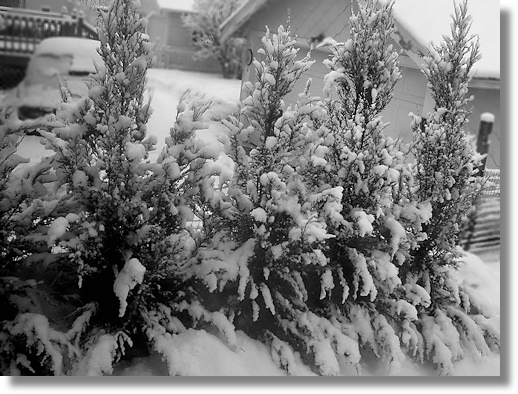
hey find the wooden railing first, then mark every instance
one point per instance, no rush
(483, 230)
(182, 59)
(21, 30)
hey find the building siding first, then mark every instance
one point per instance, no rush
(178, 35)
(53, 5)
(157, 29)
(69, 6)
(174, 46)
(11, 3)
(173, 40)
(307, 18)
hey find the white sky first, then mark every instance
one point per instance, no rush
(176, 5)
(428, 20)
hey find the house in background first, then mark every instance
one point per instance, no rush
(418, 22)
(12, 3)
(174, 41)
(51, 5)
(70, 7)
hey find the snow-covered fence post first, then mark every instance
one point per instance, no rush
(487, 120)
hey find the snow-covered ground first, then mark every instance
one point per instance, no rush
(165, 88)
(204, 353)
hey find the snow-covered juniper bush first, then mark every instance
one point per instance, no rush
(26, 208)
(118, 227)
(325, 197)
(276, 237)
(446, 175)
(323, 239)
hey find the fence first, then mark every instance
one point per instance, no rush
(182, 59)
(483, 230)
(493, 184)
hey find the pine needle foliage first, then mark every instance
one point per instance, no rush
(322, 239)
(446, 175)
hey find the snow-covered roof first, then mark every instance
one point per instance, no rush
(428, 20)
(175, 5)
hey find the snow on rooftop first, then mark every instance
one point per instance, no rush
(429, 20)
(175, 5)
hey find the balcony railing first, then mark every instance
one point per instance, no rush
(21, 30)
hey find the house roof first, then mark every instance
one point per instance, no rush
(176, 5)
(419, 22)
(235, 21)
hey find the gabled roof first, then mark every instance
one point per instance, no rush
(418, 22)
(235, 21)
